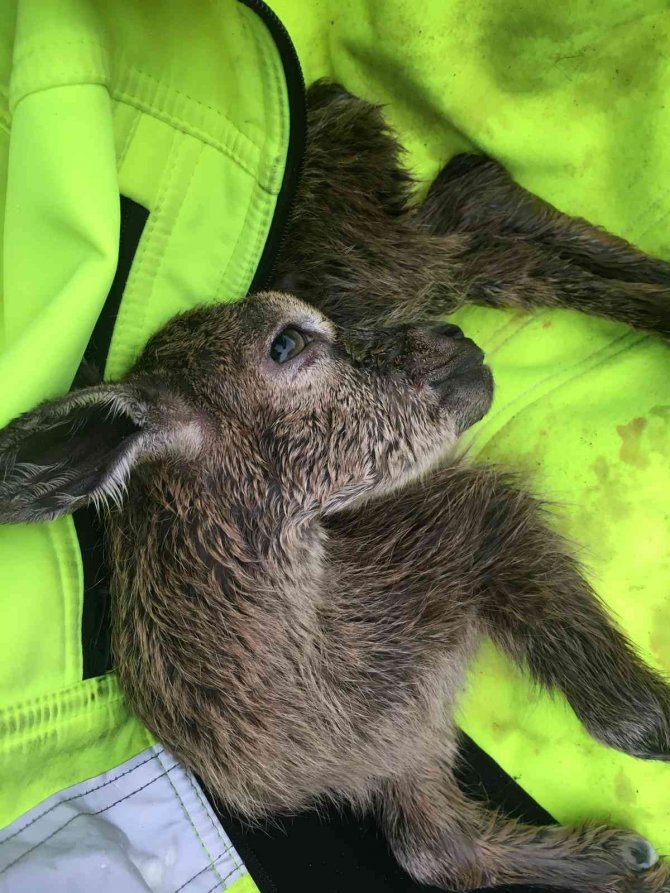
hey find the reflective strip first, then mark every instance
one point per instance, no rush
(144, 826)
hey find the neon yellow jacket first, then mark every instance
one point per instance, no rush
(191, 111)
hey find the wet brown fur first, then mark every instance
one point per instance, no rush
(300, 577)
(363, 249)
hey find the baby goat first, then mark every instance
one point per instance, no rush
(299, 576)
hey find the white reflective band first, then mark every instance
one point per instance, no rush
(144, 826)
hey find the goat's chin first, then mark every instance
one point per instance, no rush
(422, 468)
(430, 459)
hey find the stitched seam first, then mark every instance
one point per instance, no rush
(132, 130)
(223, 880)
(240, 235)
(247, 212)
(249, 270)
(62, 722)
(181, 125)
(143, 106)
(166, 236)
(52, 537)
(76, 797)
(245, 137)
(189, 819)
(70, 709)
(72, 693)
(270, 71)
(202, 871)
(72, 588)
(84, 815)
(138, 305)
(20, 58)
(227, 843)
(129, 67)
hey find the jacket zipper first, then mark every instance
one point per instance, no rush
(295, 155)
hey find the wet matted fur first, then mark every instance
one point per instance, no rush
(301, 569)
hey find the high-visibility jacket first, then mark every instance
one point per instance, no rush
(149, 156)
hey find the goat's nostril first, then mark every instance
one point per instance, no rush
(448, 330)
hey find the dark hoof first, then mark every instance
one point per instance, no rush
(323, 92)
(655, 747)
(640, 854)
(463, 164)
(651, 755)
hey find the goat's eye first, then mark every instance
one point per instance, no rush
(287, 344)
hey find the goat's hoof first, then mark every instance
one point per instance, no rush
(640, 854)
(656, 747)
(462, 164)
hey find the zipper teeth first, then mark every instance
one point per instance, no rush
(297, 149)
(268, 13)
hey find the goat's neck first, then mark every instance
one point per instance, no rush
(266, 552)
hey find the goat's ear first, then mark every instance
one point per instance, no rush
(81, 448)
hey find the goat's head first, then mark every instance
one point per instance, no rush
(267, 388)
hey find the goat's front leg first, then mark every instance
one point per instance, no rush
(443, 838)
(472, 537)
(475, 193)
(537, 606)
(516, 250)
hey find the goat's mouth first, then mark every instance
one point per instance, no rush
(460, 365)
(464, 385)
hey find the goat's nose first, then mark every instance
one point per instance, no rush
(448, 330)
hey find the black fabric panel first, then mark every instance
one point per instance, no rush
(96, 619)
(96, 610)
(336, 852)
(133, 219)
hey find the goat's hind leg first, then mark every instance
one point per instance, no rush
(522, 251)
(474, 192)
(537, 605)
(350, 215)
(442, 838)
